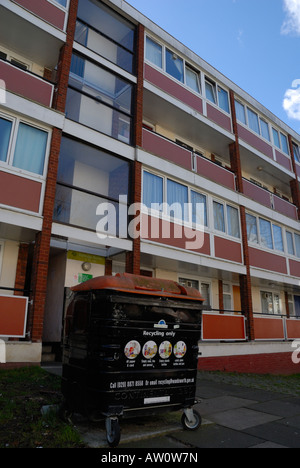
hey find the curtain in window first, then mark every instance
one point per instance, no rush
(5, 131)
(153, 52)
(210, 92)
(297, 244)
(265, 129)
(251, 228)
(223, 99)
(30, 149)
(174, 65)
(192, 80)
(240, 112)
(276, 138)
(278, 240)
(233, 222)
(284, 144)
(219, 219)
(199, 208)
(253, 121)
(177, 199)
(290, 243)
(266, 233)
(152, 190)
(205, 293)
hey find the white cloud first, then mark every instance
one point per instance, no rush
(291, 24)
(291, 102)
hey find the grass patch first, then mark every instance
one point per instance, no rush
(284, 384)
(23, 393)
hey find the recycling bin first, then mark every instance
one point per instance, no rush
(130, 349)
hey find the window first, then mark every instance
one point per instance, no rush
(172, 198)
(284, 143)
(276, 138)
(280, 141)
(227, 297)
(199, 208)
(177, 199)
(153, 52)
(22, 145)
(174, 66)
(1, 255)
(240, 112)
(105, 32)
(192, 79)
(5, 133)
(270, 303)
(297, 244)
(290, 243)
(265, 233)
(265, 129)
(296, 152)
(223, 99)
(252, 228)
(278, 239)
(233, 222)
(226, 221)
(62, 2)
(210, 89)
(219, 217)
(253, 121)
(204, 288)
(88, 176)
(30, 149)
(99, 99)
(152, 191)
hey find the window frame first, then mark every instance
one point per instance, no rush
(273, 294)
(225, 213)
(8, 164)
(2, 244)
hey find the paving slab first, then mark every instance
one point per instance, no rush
(220, 404)
(283, 408)
(269, 445)
(214, 436)
(291, 422)
(242, 418)
(276, 433)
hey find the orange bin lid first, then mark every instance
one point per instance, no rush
(140, 285)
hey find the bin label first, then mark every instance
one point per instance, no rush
(150, 350)
(132, 349)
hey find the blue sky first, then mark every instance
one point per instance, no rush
(255, 43)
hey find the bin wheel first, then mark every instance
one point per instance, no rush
(193, 422)
(113, 432)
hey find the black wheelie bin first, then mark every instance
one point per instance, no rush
(130, 349)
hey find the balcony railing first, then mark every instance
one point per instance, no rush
(13, 313)
(276, 327)
(26, 84)
(269, 199)
(168, 149)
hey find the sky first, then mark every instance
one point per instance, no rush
(254, 43)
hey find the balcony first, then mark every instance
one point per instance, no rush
(13, 317)
(276, 328)
(47, 11)
(26, 84)
(167, 149)
(270, 200)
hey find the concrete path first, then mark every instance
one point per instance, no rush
(234, 416)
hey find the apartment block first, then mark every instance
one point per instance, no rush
(122, 151)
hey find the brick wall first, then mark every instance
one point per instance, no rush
(276, 364)
(42, 242)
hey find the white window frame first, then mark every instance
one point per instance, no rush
(273, 293)
(226, 233)
(58, 5)
(259, 240)
(230, 294)
(2, 243)
(200, 282)
(8, 164)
